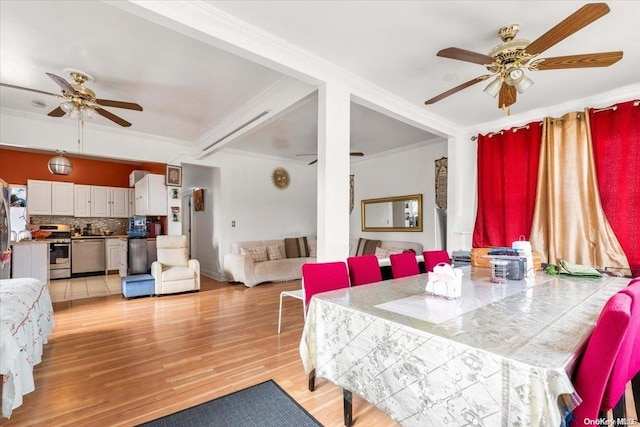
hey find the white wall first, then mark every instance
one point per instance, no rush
(244, 194)
(402, 173)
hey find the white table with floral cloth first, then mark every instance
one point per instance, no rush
(501, 354)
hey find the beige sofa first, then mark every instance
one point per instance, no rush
(239, 265)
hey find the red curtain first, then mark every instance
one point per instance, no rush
(507, 175)
(615, 136)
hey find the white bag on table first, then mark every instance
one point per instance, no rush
(445, 281)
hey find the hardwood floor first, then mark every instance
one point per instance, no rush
(117, 362)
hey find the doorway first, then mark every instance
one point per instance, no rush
(187, 218)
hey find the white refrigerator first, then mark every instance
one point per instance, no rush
(5, 231)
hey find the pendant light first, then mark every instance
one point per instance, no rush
(60, 165)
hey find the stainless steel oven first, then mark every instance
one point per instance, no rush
(59, 250)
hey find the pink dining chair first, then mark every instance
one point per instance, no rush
(364, 269)
(322, 277)
(627, 363)
(404, 264)
(433, 258)
(592, 374)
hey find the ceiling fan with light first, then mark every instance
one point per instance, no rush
(352, 154)
(507, 61)
(78, 99)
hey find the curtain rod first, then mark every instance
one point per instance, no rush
(614, 107)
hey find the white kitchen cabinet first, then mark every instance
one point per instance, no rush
(151, 195)
(38, 197)
(132, 202)
(112, 249)
(62, 198)
(49, 198)
(82, 200)
(101, 202)
(119, 202)
(123, 246)
(30, 259)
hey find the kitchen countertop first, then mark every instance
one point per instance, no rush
(113, 236)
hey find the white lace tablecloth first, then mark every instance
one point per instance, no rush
(26, 320)
(504, 358)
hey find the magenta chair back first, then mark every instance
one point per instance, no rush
(322, 277)
(433, 258)
(599, 357)
(364, 269)
(404, 264)
(627, 364)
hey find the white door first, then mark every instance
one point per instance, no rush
(38, 197)
(62, 198)
(82, 200)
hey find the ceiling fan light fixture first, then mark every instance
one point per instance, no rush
(91, 113)
(494, 87)
(524, 84)
(67, 107)
(60, 165)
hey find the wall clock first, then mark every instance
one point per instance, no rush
(280, 178)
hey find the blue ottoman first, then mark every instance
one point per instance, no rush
(138, 285)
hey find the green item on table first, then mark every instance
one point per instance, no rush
(566, 267)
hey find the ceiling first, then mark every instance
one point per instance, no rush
(188, 87)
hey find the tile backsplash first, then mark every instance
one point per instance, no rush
(118, 226)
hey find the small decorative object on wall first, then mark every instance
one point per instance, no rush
(174, 193)
(280, 178)
(441, 182)
(350, 194)
(198, 199)
(175, 213)
(173, 177)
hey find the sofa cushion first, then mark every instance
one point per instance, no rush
(274, 252)
(257, 254)
(178, 273)
(385, 252)
(296, 247)
(367, 247)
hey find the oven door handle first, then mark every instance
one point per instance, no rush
(59, 244)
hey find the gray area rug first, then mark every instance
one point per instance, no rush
(262, 405)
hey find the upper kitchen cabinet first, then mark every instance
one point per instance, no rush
(49, 198)
(151, 195)
(97, 201)
(110, 202)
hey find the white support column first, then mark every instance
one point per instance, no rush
(334, 113)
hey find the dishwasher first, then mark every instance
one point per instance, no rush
(87, 256)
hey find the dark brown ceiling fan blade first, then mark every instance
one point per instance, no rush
(313, 162)
(62, 83)
(507, 96)
(456, 89)
(601, 59)
(119, 104)
(106, 114)
(352, 154)
(466, 55)
(576, 21)
(58, 112)
(29, 89)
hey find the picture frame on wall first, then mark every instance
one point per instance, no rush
(198, 199)
(173, 176)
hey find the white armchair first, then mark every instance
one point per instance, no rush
(173, 271)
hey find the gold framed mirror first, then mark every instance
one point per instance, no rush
(398, 213)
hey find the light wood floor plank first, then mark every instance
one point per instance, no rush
(117, 362)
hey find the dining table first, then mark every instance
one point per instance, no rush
(500, 354)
